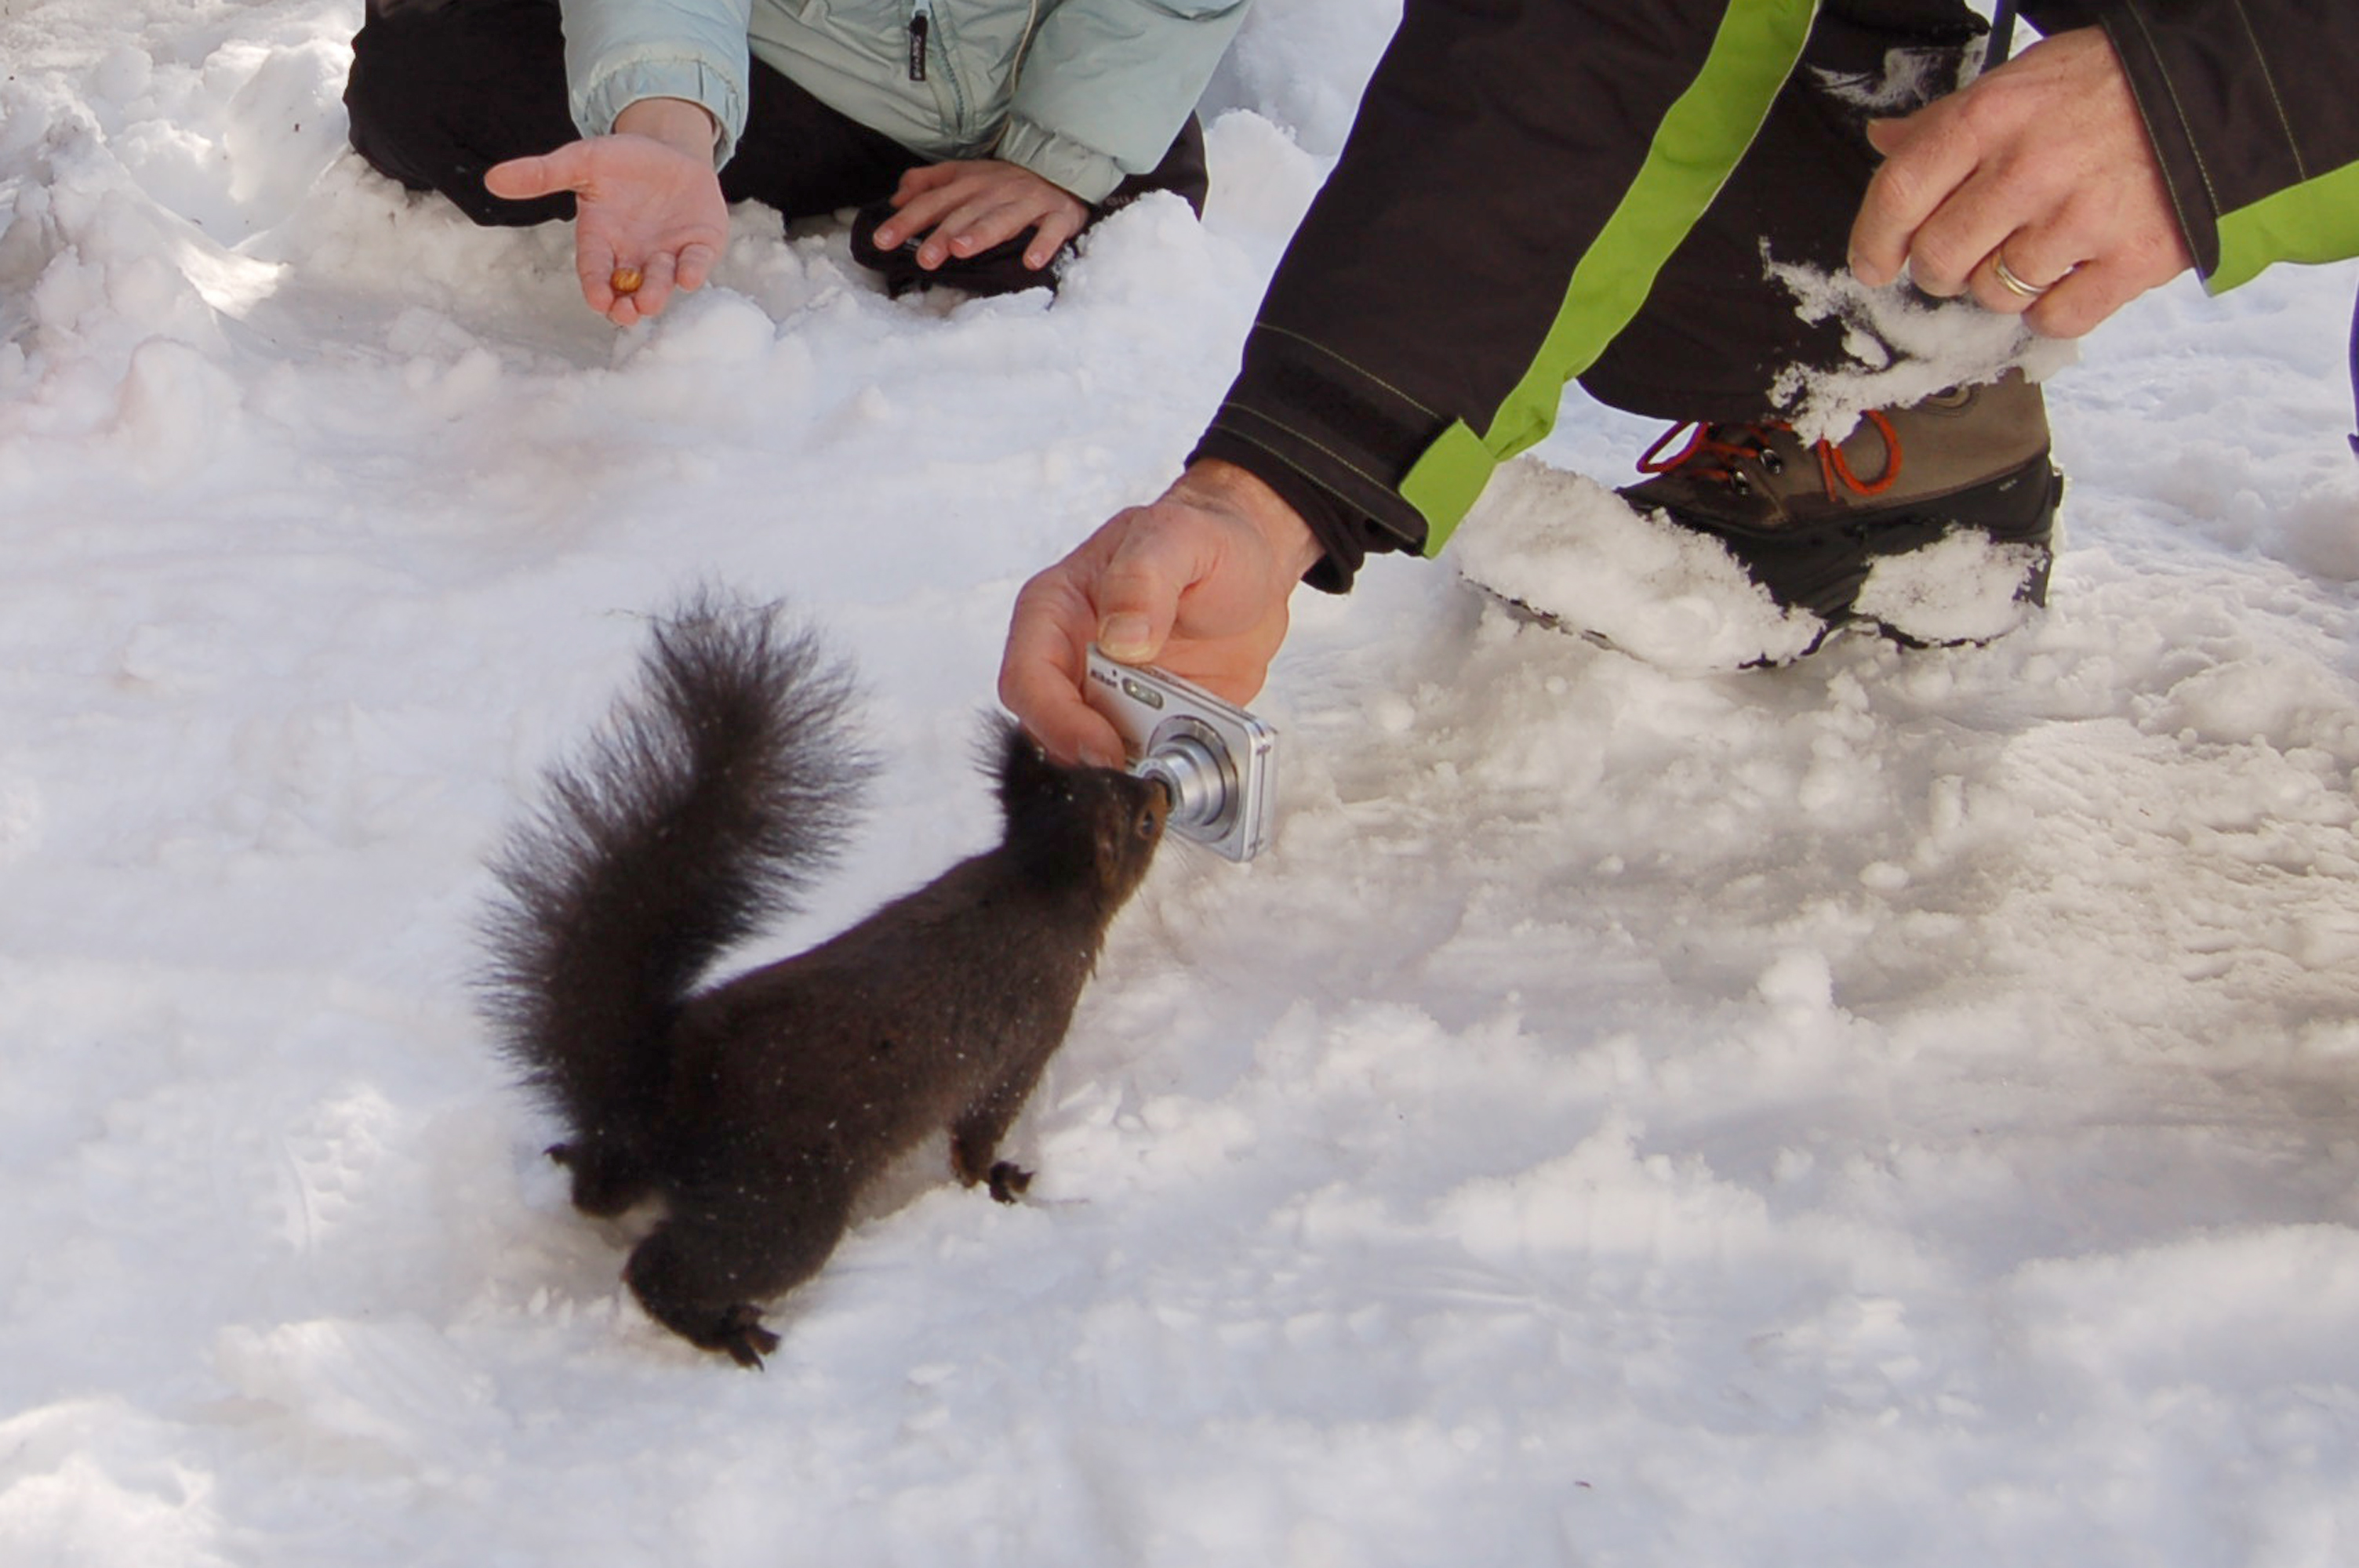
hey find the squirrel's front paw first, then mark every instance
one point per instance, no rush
(970, 1160)
(1008, 1181)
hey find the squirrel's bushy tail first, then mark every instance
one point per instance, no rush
(719, 787)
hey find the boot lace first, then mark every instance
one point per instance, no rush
(1717, 453)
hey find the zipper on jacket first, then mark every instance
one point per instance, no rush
(921, 22)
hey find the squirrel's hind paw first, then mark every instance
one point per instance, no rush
(744, 1338)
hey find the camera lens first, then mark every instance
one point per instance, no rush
(1190, 772)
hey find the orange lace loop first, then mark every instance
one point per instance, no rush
(1833, 466)
(1714, 451)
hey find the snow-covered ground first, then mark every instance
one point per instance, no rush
(1896, 1110)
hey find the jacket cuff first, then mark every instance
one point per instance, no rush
(1343, 538)
(2173, 138)
(1061, 161)
(1322, 423)
(627, 78)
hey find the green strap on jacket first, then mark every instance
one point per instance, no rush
(1694, 150)
(2311, 222)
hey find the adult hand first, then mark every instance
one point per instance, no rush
(1196, 582)
(646, 200)
(965, 207)
(2042, 165)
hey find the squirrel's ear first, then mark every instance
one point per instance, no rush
(1025, 772)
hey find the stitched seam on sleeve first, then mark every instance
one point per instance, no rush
(2138, 19)
(2261, 68)
(1346, 464)
(1369, 376)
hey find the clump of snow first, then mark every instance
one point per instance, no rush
(1964, 587)
(1913, 347)
(1564, 546)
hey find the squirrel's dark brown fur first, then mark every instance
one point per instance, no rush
(758, 1107)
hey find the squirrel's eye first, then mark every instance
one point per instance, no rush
(1148, 825)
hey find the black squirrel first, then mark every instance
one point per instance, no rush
(757, 1109)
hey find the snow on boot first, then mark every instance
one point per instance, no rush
(1933, 521)
(1564, 551)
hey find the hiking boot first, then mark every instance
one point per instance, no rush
(1813, 522)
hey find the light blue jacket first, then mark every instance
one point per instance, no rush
(1080, 91)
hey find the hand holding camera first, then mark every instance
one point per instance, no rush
(1217, 762)
(1196, 582)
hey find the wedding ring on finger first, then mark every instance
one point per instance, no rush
(2014, 285)
(626, 280)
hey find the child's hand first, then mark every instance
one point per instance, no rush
(649, 214)
(964, 209)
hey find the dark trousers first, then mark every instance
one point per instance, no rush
(1716, 331)
(442, 90)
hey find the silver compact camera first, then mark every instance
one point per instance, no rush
(1217, 762)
